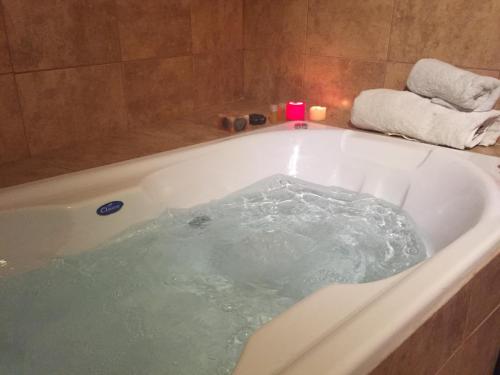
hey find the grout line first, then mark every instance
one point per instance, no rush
(191, 52)
(395, 4)
(20, 72)
(243, 45)
(125, 97)
(348, 59)
(389, 42)
(304, 70)
(122, 72)
(158, 58)
(243, 24)
(4, 24)
(482, 322)
(194, 91)
(460, 66)
(223, 51)
(22, 115)
(155, 58)
(373, 61)
(118, 32)
(465, 339)
(16, 85)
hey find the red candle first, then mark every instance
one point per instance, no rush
(295, 111)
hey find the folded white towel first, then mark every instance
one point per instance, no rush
(407, 114)
(453, 87)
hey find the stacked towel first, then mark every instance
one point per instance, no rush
(453, 87)
(407, 114)
(456, 110)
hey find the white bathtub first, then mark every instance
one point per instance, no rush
(454, 198)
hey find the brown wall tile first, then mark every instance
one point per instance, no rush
(273, 76)
(484, 72)
(5, 65)
(154, 28)
(217, 25)
(22, 171)
(260, 80)
(277, 24)
(336, 82)
(485, 294)
(218, 78)
(158, 90)
(426, 350)
(479, 352)
(354, 29)
(396, 75)
(53, 33)
(65, 106)
(13, 143)
(456, 31)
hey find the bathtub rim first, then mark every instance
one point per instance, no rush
(132, 170)
(363, 361)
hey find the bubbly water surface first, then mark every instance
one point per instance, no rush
(181, 294)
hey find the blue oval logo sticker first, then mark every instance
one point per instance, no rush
(110, 208)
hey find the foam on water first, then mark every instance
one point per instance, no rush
(181, 294)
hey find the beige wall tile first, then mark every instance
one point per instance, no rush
(217, 25)
(273, 76)
(61, 107)
(485, 294)
(218, 77)
(13, 143)
(50, 34)
(336, 82)
(396, 75)
(426, 350)
(154, 28)
(354, 29)
(277, 24)
(158, 90)
(456, 31)
(479, 352)
(5, 65)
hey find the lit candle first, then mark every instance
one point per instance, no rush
(317, 113)
(295, 111)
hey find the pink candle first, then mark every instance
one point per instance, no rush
(295, 111)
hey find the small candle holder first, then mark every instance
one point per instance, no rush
(295, 111)
(317, 113)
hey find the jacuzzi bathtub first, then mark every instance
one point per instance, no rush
(452, 196)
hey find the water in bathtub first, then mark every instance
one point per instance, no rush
(181, 294)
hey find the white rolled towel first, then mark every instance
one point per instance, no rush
(407, 114)
(450, 86)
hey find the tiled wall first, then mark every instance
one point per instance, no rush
(73, 69)
(327, 51)
(461, 338)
